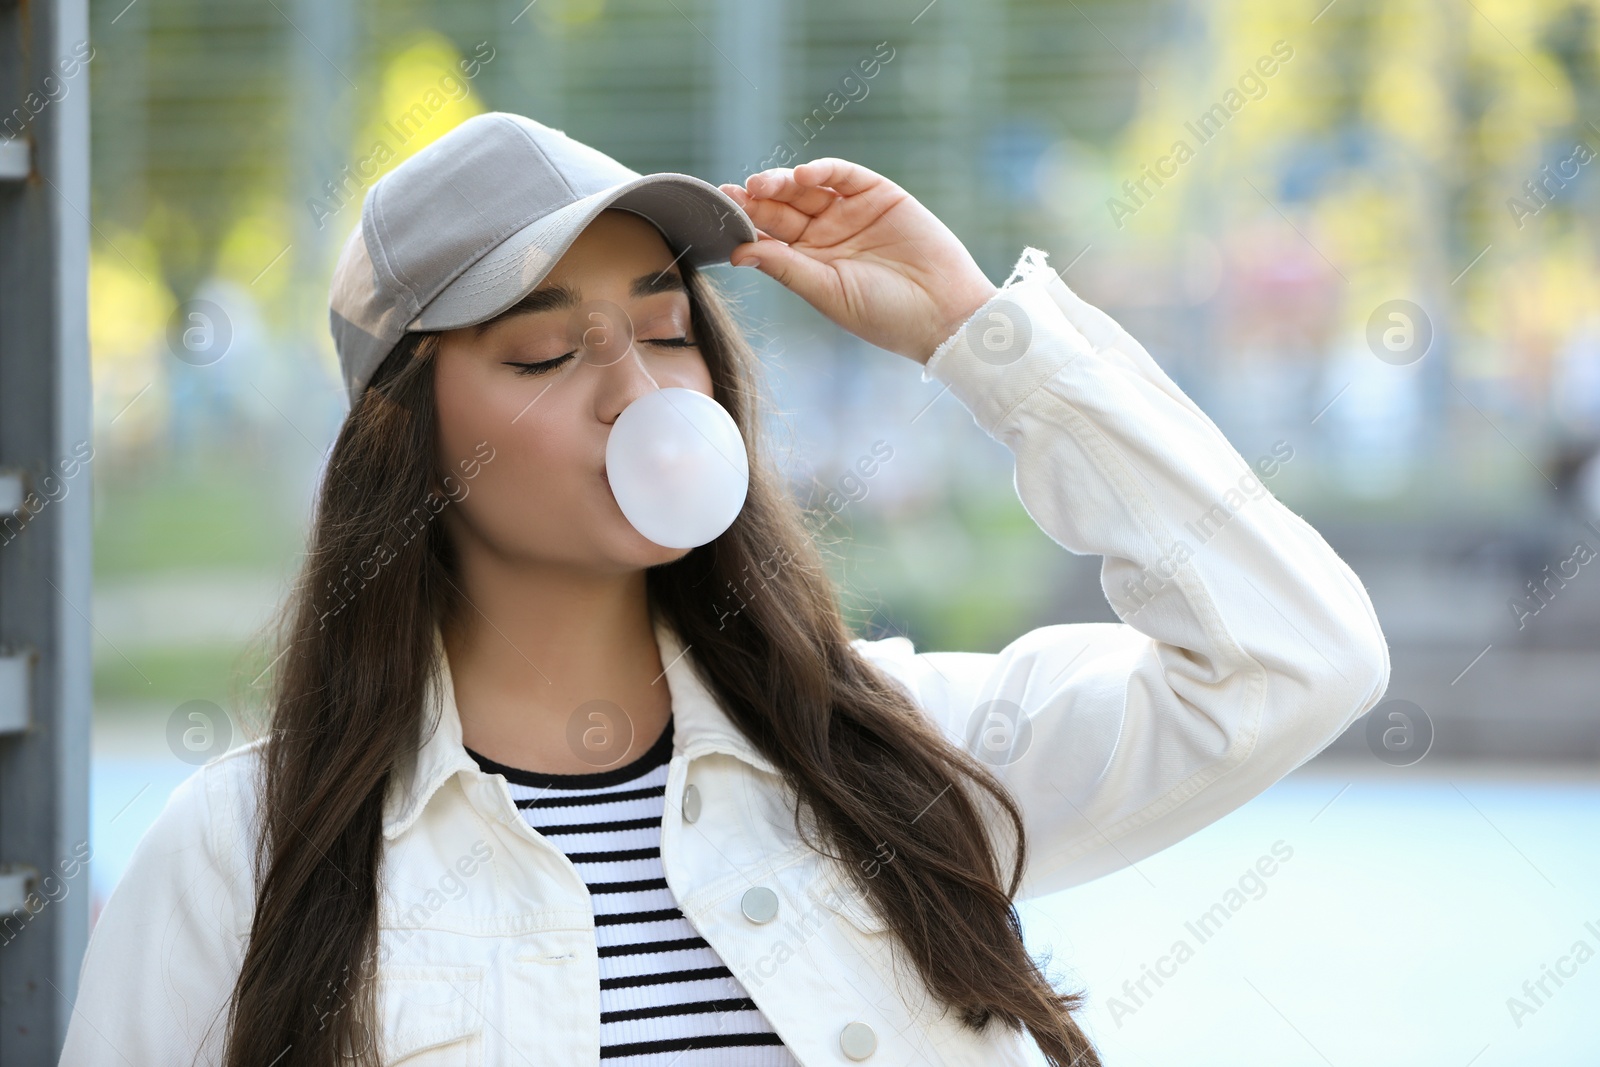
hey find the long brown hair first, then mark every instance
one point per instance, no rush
(872, 775)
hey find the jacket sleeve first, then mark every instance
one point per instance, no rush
(1247, 645)
(165, 952)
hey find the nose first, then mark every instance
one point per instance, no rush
(624, 378)
(605, 332)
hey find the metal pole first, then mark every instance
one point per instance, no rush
(46, 456)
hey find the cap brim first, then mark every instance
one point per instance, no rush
(696, 217)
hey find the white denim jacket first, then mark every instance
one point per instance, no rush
(1248, 645)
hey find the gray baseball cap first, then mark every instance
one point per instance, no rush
(473, 222)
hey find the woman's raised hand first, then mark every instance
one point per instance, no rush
(863, 251)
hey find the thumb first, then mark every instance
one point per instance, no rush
(795, 270)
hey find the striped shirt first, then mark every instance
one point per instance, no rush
(666, 997)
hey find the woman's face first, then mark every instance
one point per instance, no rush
(543, 383)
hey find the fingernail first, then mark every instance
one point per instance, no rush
(748, 261)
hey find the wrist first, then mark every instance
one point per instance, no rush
(956, 314)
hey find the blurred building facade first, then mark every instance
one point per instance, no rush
(1360, 232)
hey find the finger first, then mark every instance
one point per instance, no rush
(839, 175)
(740, 197)
(811, 280)
(778, 219)
(779, 184)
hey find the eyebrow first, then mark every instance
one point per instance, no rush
(557, 297)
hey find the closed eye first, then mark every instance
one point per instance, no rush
(544, 366)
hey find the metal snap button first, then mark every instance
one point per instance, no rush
(691, 803)
(759, 904)
(858, 1041)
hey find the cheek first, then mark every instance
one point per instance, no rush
(470, 401)
(683, 371)
(534, 457)
(538, 450)
(519, 421)
(520, 499)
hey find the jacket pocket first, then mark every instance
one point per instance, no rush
(432, 1015)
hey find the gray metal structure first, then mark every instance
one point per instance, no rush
(45, 463)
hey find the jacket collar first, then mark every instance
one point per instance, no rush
(699, 726)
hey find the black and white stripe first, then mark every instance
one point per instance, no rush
(666, 997)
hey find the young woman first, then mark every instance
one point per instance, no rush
(540, 790)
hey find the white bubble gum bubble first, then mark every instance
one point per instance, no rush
(678, 467)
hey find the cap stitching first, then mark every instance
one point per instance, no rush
(398, 275)
(537, 147)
